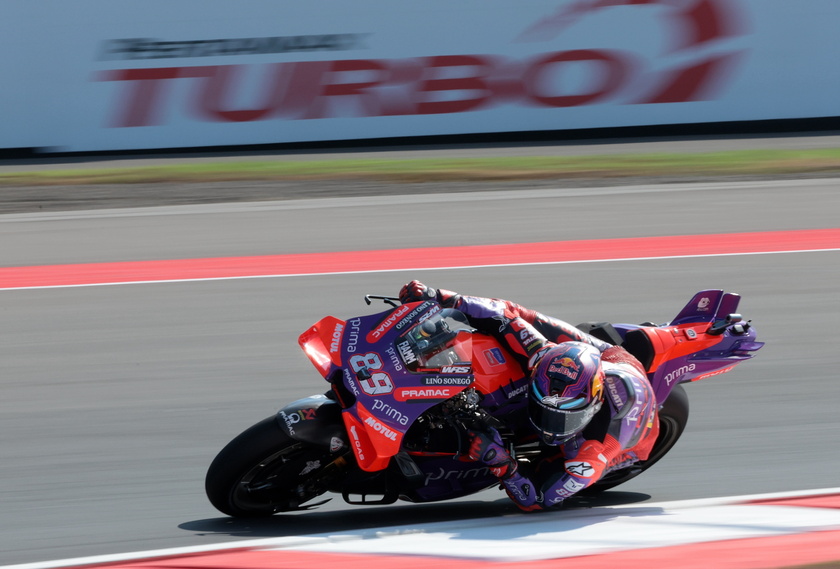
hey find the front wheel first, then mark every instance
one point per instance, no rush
(264, 471)
(673, 418)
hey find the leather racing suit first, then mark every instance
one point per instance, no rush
(621, 433)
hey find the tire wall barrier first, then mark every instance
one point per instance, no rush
(98, 75)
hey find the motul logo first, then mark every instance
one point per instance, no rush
(380, 428)
(335, 343)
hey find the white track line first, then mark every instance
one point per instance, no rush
(685, 521)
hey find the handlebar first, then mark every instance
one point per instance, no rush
(392, 300)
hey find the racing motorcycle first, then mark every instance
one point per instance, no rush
(408, 384)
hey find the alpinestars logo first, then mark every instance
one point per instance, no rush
(582, 469)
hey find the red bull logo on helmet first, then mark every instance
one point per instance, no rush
(564, 366)
(568, 363)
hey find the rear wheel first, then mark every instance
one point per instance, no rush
(264, 471)
(673, 418)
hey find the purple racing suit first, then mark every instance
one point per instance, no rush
(621, 433)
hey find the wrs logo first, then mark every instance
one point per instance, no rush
(700, 39)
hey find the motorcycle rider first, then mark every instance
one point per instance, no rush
(589, 401)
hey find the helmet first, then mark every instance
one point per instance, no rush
(567, 390)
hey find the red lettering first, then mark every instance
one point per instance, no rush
(398, 98)
(304, 86)
(376, 73)
(477, 71)
(146, 91)
(613, 71)
(218, 86)
(435, 85)
(704, 22)
(693, 83)
(290, 89)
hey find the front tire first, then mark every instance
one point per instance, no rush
(264, 471)
(673, 418)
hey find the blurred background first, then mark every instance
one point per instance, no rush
(116, 398)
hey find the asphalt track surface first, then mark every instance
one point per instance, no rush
(116, 398)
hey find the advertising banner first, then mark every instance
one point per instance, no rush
(101, 75)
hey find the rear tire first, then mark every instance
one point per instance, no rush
(264, 471)
(673, 418)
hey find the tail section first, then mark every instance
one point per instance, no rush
(708, 306)
(706, 338)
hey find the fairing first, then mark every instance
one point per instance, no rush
(705, 339)
(389, 369)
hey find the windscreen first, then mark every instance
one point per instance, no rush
(443, 339)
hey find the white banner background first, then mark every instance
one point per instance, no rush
(104, 75)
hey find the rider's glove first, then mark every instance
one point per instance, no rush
(523, 493)
(416, 291)
(487, 447)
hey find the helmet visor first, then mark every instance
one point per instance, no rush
(561, 419)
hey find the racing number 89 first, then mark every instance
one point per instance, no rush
(379, 383)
